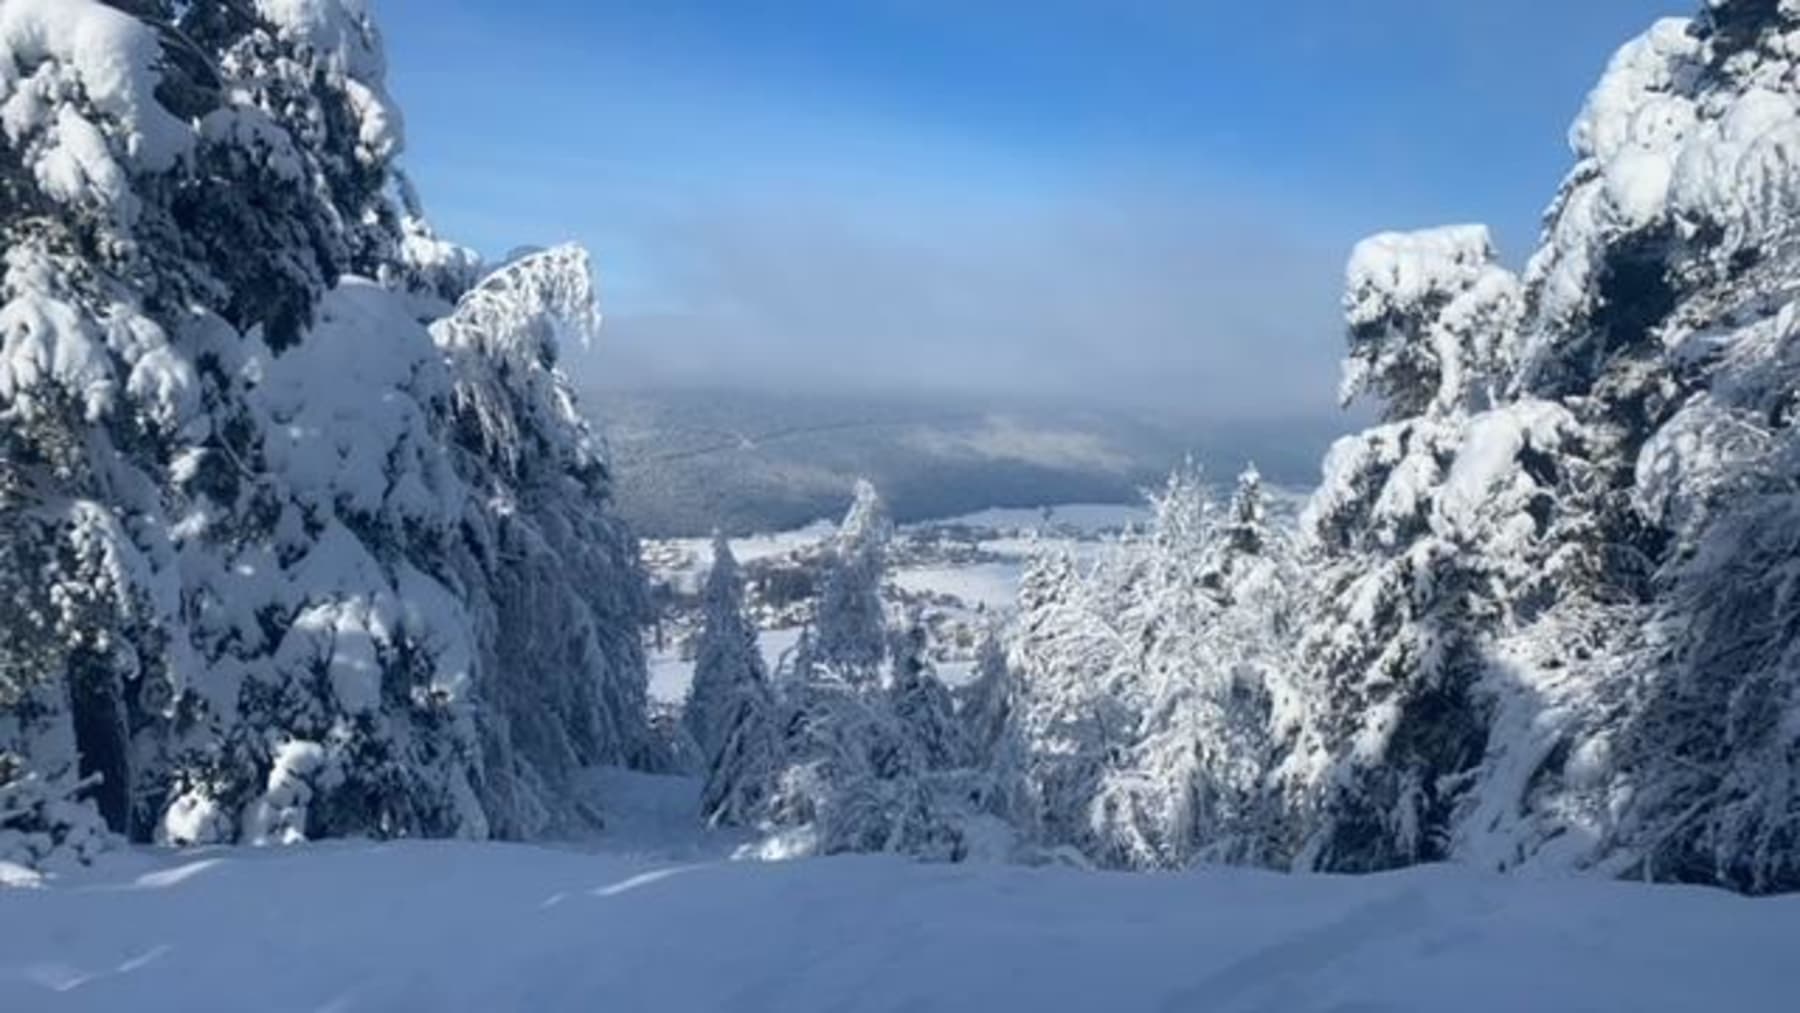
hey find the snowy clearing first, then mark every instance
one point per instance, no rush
(459, 926)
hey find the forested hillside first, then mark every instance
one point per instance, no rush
(689, 461)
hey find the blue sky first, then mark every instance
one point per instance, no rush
(1126, 200)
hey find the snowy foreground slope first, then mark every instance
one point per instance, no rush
(456, 925)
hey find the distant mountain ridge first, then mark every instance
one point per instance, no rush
(691, 460)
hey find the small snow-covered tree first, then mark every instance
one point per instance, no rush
(45, 822)
(850, 764)
(1244, 703)
(745, 770)
(1210, 622)
(727, 660)
(854, 779)
(998, 755)
(985, 703)
(921, 701)
(852, 625)
(1075, 711)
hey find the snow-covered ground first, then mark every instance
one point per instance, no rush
(436, 926)
(992, 585)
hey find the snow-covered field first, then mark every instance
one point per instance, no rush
(994, 586)
(458, 926)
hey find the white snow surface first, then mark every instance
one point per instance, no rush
(994, 586)
(1398, 268)
(48, 45)
(444, 925)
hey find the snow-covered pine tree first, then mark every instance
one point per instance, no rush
(727, 661)
(852, 761)
(921, 701)
(1669, 315)
(1422, 529)
(1616, 522)
(984, 704)
(1209, 624)
(1247, 518)
(1242, 702)
(1075, 709)
(767, 729)
(1140, 813)
(852, 625)
(282, 562)
(984, 709)
(853, 778)
(745, 770)
(558, 597)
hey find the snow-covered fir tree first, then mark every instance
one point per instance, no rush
(984, 704)
(1154, 689)
(732, 712)
(745, 769)
(280, 560)
(554, 575)
(1669, 272)
(1076, 707)
(1412, 585)
(921, 701)
(845, 754)
(1589, 565)
(852, 626)
(997, 785)
(727, 660)
(851, 778)
(1219, 726)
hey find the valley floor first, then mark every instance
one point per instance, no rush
(463, 926)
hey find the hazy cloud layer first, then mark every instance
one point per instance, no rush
(1004, 438)
(1125, 300)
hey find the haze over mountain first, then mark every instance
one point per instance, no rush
(689, 460)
